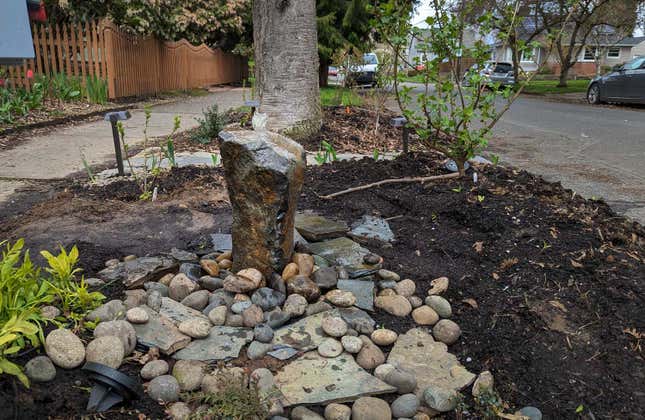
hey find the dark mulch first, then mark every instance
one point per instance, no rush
(558, 281)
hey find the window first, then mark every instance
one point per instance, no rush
(613, 52)
(589, 54)
(529, 55)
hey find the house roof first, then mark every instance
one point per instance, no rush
(630, 41)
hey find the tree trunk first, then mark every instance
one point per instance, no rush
(564, 76)
(286, 62)
(324, 73)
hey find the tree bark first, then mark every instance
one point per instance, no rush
(324, 73)
(564, 76)
(286, 62)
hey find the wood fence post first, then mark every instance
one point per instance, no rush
(109, 58)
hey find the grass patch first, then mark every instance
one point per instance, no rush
(337, 95)
(542, 87)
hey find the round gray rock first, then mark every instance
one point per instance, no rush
(195, 327)
(267, 298)
(121, 329)
(335, 411)
(263, 333)
(40, 369)
(179, 411)
(440, 305)
(106, 350)
(189, 374)
(334, 326)
(258, 350)
(295, 305)
(351, 344)
(404, 381)
(330, 348)
(64, 349)
(530, 412)
(446, 331)
(405, 406)
(218, 315)
(197, 300)
(164, 388)
(180, 287)
(137, 316)
(153, 369)
(440, 399)
(370, 408)
(239, 307)
(154, 300)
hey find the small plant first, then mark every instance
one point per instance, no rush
(376, 154)
(489, 404)
(215, 159)
(458, 189)
(65, 88)
(88, 169)
(326, 154)
(210, 125)
(234, 402)
(480, 198)
(96, 90)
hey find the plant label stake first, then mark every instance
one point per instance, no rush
(113, 117)
(401, 122)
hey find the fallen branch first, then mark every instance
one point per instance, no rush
(392, 181)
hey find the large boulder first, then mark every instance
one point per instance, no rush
(264, 174)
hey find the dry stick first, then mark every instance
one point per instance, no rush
(391, 181)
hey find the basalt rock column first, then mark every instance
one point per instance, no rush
(264, 172)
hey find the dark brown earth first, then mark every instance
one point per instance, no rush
(557, 281)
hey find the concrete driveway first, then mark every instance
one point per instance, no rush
(598, 152)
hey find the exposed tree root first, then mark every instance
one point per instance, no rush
(392, 181)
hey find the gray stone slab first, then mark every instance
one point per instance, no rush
(138, 271)
(315, 228)
(303, 335)
(340, 251)
(364, 290)
(160, 332)
(222, 242)
(370, 227)
(283, 352)
(222, 343)
(314, 379)
(177, 312)
(417, 351)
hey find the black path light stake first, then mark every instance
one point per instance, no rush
(254, 104)
(113, 118)
(400, 122)
(111, 387)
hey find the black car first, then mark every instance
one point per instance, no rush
(626, 84)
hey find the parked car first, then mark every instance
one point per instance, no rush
(626, 84)
(332, 71)
(493, 72)
(365, 73)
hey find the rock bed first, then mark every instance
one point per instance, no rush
(189, 317)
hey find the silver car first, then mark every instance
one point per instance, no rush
(494, 73)
(625, 84)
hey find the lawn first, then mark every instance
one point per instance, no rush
(542, 87)
(337, 95)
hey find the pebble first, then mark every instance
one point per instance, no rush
(217, 316)
(267, 298)
(388, 275)
(225, 264)
(94, 283)
(121, 329)
(252, 316)
(305, 263)
(342, 273)
(303, 286)
(153, 369)
(404, 381)
(330, 348)
(40, 369)
(439, 285)
(210, 266)
(303, 413)
(370, 355)
(164, 388)
(234, 320)
(440, 399)
(179, 411)
(372, 259)
(341, 298)
(244, 281)
(425, 315)
(318, 307)
(386, 284)
(112, 262)
(258, 350)
(64, 348)
(192, 271)
(180, 287)
(394, 305)
(405, 406)
(370, 408)
(440, 305)
(195, 327)
(166, 279)
(189, 374)
(154, 301)
(421, 416)
(531, 412)
(134, 298)
(384, 337)
(263, 333)
(277, 283)
(107, 350)
(109, 311)
(387, 292)
(295, 305)
(334, 326)
(351, 344)
(405, 288)
(239, 307)
(484, 382)
(129, 258)
(227, 255)
(197, 300)
(290, 270)
(153, 285)
(325, 277)
(49, 312)
(446, 331)
(276, 318)
(137, 316)
(415, 301)
(382, 371)
(335, 411)
(211, 283)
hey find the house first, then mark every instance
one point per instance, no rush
(417, 50)
(15, 33)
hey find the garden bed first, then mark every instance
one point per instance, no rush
(546, 286)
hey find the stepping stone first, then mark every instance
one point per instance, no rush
(160, 332)
(416, 351)
(222, 242)
(314, 379)
(364, 290)
(340, 251)
(370, 227)
(303, 335)
(317, 228)
(178, 312)
(222, 343)
(138, 271)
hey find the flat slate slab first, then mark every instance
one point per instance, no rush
(317, 228)
(370, 227)
(177, 312)
(340, 251)
(222, 343)
(222, 241)
(363, 290)
(160, 332)
(314, 379)
(418, 352)
(138, 271)
(303, 335)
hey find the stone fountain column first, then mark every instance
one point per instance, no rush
(264, 173)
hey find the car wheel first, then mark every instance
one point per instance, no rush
(593, 94)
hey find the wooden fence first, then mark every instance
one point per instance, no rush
(131, 65)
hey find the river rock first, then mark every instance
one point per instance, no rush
(267, 298)
(335, 411)
(318, 307)
(341, 298)
(196, 300)
(109, 311)
(264, 173)
(531, 412)
(425, 315)
(134, 298)
(211, 283)
(49, 312)
(258, 350)
(295, 305)
(394, 305)
(221, 378)
(383, 370)
(384, 337)
(325, 277)
(239, 307)
(164, 388)
(415, 301)
(64, 349)
(180, 287)
(370, 355)
(211, 267)
(439, 285)
(240, 284)
(189, 374)
(121, 329)
(351, 344)
(137, 316)
(405, 406)
(446, 331)
(179, 411)
(388, 275)
(106, 350)
(159, 332)
(370, 408)
(159, 287)
(40, 369)
(155, 300)
(440, 305)
(217, 316)
(252, 316)
(303, 413)
(276, 318)
(305, 263)
(440, 399)
(334, 326)
(405, 288)
(192, 271)
(290, 270)
(234, 320)
(330, 348)
(303, 286)
(195, 327)
(263, 333)
(153, 369)
(403, 380)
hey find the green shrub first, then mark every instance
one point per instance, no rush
(210, 125)
(235, 402)
(96, 90)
